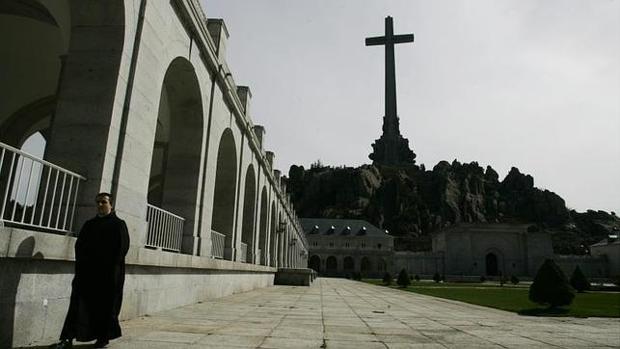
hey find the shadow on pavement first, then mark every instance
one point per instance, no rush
(78, 346)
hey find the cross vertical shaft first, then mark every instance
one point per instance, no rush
(391, 148)
(390, 122)
(390, 73)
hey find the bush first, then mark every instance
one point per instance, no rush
(387, 279)
(514, 280)
(403, 279)
(482, 278)
(579, 281)
(550, 286)
(436, 277)
(416, 277)
(357, 276)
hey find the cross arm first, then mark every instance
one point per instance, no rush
(378, 40)
(402, 38)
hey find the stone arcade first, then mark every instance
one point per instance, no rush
(133, 98)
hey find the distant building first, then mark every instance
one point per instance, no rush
(341, 247)
(610, 250)
(492, 249)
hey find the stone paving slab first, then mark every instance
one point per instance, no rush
(338, 313)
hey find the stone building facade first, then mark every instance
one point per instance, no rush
(341, 247)
(491, 249)
(609, 249)
(337, 247)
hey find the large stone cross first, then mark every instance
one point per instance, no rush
(390, 121)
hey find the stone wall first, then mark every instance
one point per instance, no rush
(36, 270)
(423, 264)
(611, 252)
(592, 266)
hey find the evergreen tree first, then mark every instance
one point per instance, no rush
(579, 281)
(550, 286)
(416, 277)
(387, 279)
(514, 279)
(403, 279)
(436, 277)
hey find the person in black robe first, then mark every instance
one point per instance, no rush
(97, 287)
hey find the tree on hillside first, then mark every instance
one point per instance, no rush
(550, 286)
(579, 281)
(403, 278)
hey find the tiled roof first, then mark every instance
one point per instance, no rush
(329, 226)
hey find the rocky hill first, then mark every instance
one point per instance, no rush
(412, 202)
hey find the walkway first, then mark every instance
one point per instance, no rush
(337, 313)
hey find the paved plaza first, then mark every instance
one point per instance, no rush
(338, 313)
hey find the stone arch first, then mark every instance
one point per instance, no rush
(315, 263)
(331, 265)
(223, 214)
(365, 266)
(493, 261)
(348, 264)
(175, 163)
(35, 38)
(249, 209)
(273, 236)
(492, 265)
(25, 191)
(263, 242)
(381, 265)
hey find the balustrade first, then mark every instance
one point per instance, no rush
(165, 229)
(36, 193)
(217, 244)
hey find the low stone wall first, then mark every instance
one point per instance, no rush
(591, 266)
(295, 276)
(419, 263)
(36, 270)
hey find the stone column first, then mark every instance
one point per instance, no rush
(84, 130)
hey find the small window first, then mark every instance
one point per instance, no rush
(378, 246)
(347, 245)
(331, 244)
(363, 245)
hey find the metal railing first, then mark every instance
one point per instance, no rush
(243, 253)
(35, 193)
(165, 229)
(217, 244)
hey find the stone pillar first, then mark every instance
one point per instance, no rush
(280, 246)
(84, 131)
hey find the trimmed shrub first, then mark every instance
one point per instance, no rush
(357, 276)
(416, 277)
(387, 279)
(514, 280)
(436, 277)
(550, 286)
(482, 278)
(403, 279)
(579, 281)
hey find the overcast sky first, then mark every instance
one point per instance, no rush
(531, 84)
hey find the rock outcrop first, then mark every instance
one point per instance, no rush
(411, 202)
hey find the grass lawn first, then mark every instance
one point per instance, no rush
(515, 299)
